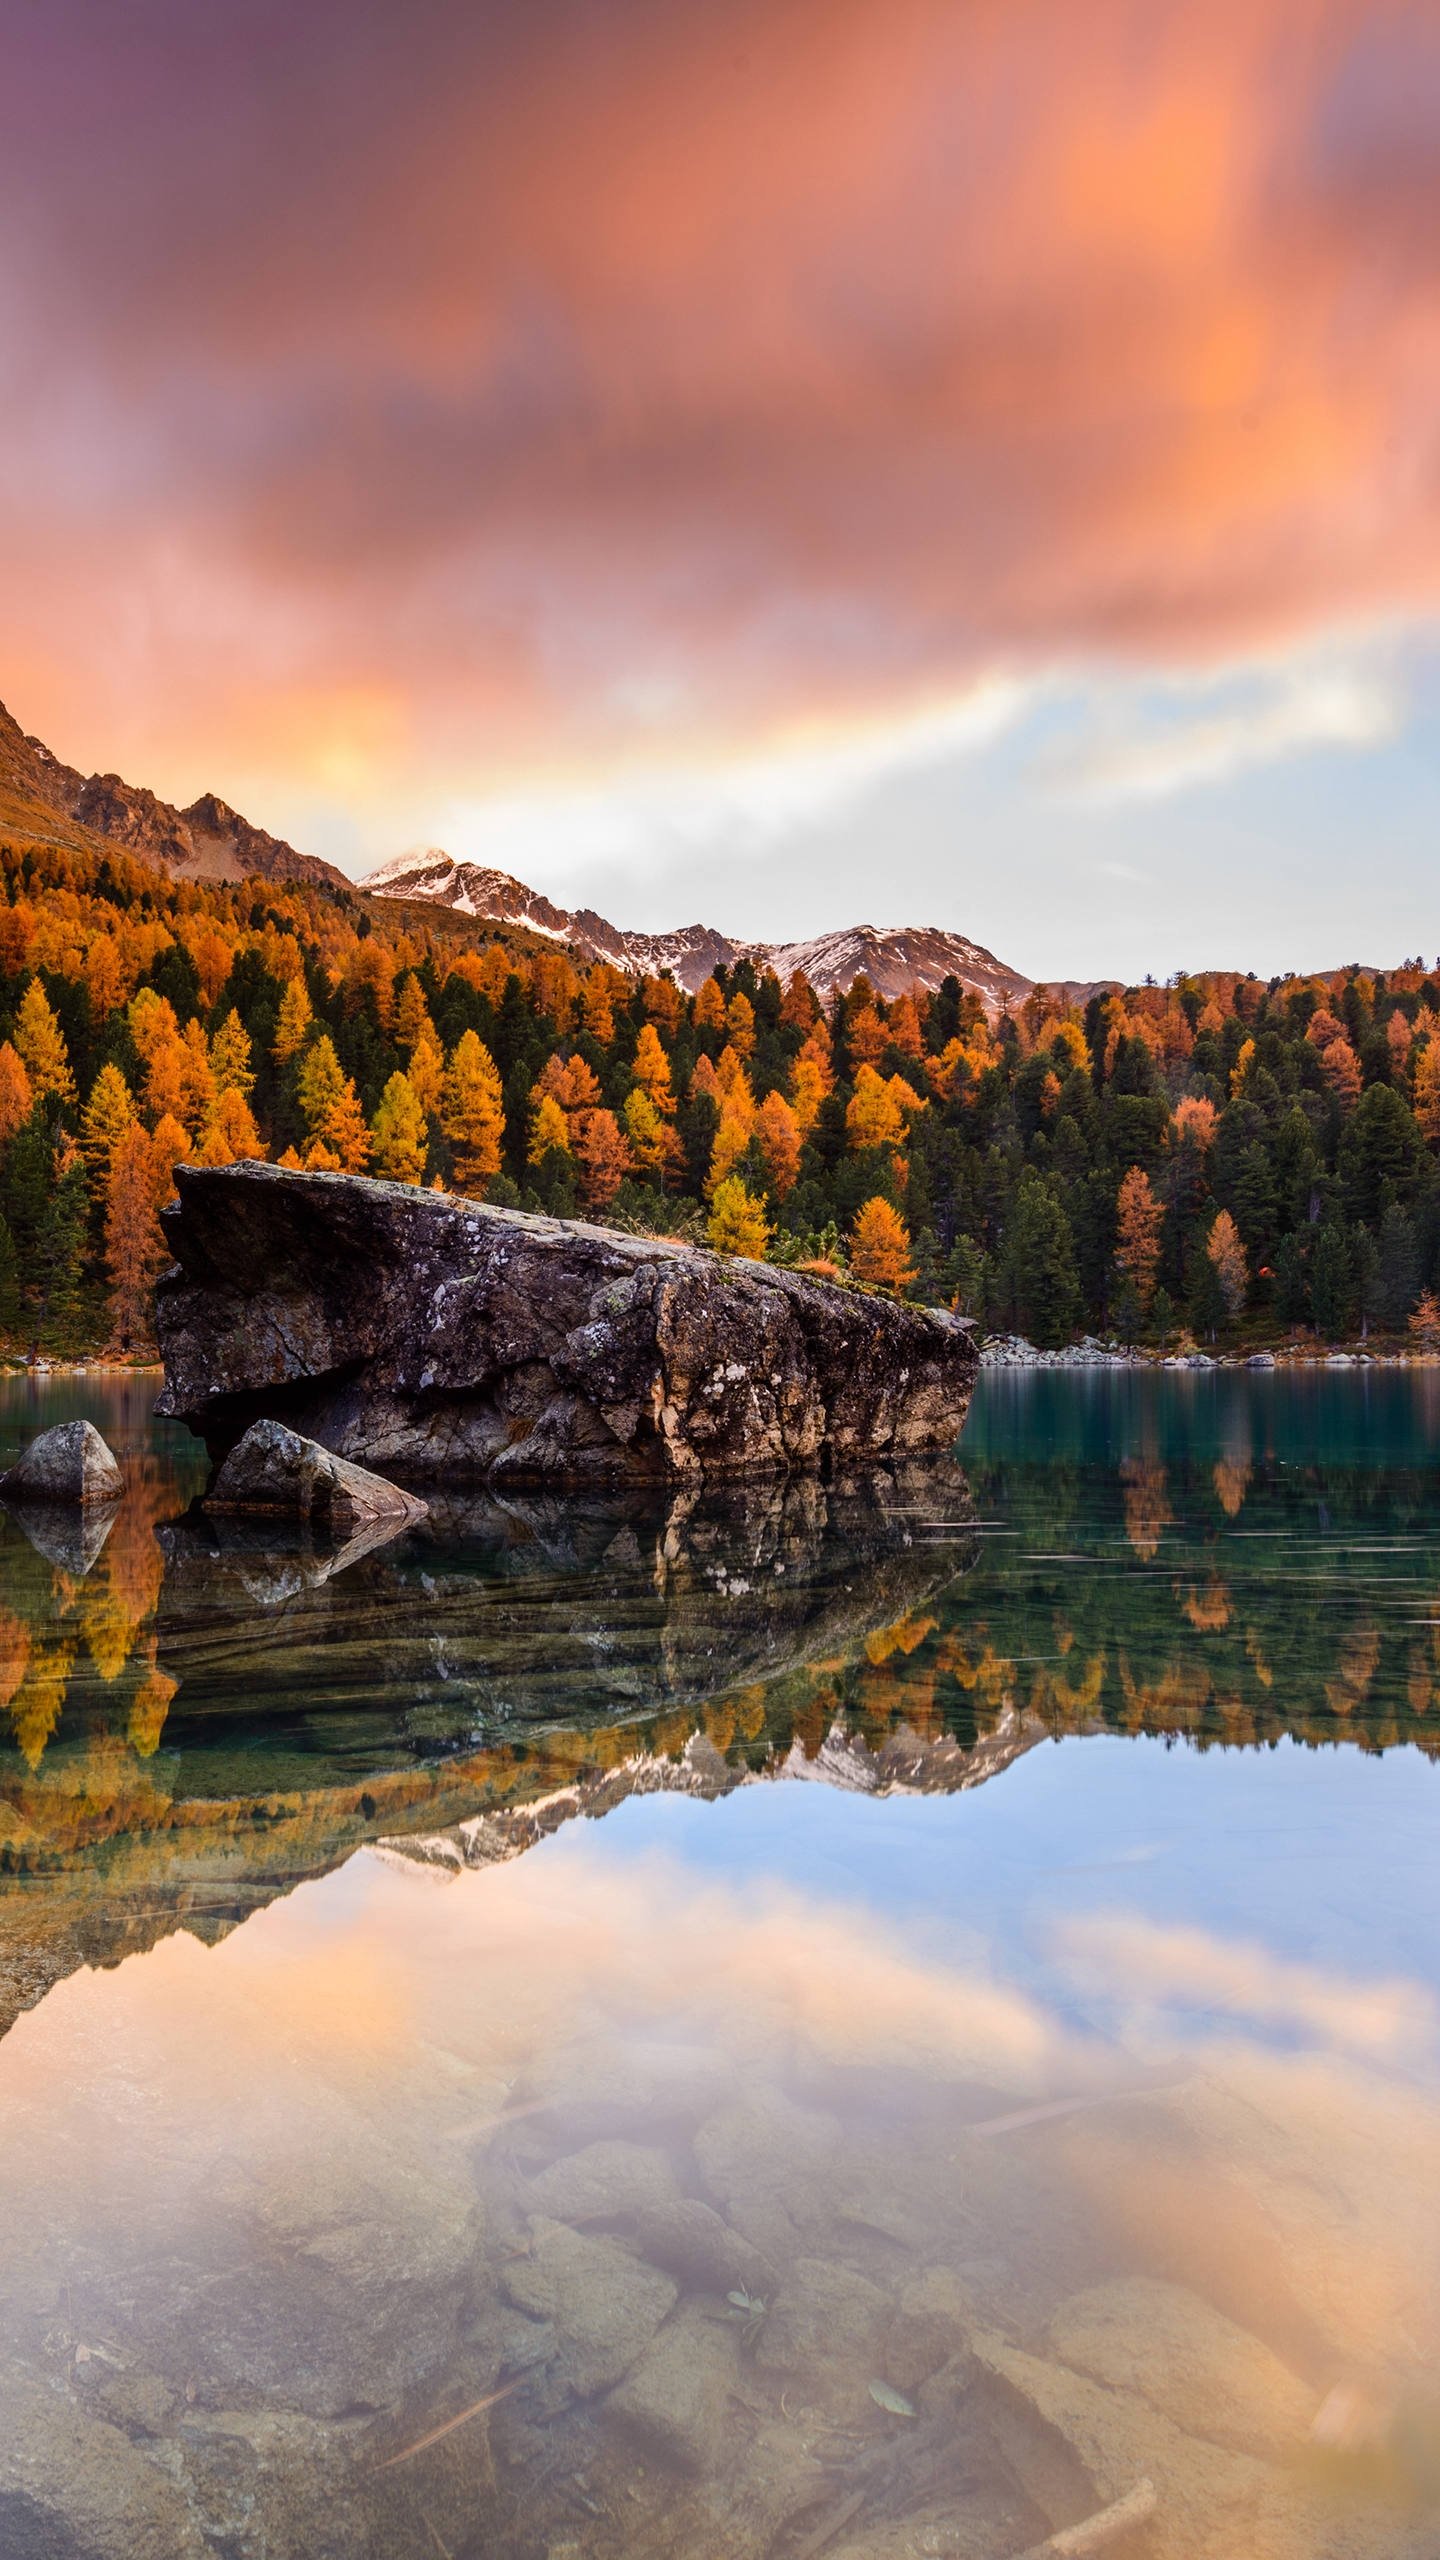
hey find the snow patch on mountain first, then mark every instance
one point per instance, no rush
(896, 959)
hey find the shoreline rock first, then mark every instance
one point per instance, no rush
(437, 1340)
(1012, 1351)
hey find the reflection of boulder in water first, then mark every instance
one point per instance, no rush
(70, 1535)
(537, 1611)
(270, 1560)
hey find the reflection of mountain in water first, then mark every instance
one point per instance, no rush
(904, 1764)
(513, 1655)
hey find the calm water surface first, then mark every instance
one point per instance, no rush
(877, 2023)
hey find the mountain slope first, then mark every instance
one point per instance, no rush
(42, 797)
(894, 958)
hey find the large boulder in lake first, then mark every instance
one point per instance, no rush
(436, 1339)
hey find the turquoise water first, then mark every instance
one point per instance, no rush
(887, 2022)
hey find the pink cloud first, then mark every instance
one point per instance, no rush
(498, 373)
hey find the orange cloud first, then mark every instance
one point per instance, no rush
(599, 387)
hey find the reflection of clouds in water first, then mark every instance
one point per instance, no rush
(1153, 1971)
(360, 2058)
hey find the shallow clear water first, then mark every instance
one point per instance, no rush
(885, 2023)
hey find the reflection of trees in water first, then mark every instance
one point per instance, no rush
(1147, 1508)
(1307, 1628)
(78, 1630)
(1119, 1599)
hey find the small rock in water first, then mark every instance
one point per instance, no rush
(692, 2241)
(69, 1464)
(273, 1469)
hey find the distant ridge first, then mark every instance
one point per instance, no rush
(207, 841)
(53, 803)
(896, 959)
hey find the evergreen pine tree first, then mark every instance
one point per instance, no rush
(1332, 1282)
(1040, 1285)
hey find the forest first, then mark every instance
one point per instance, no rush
(1219, 1159)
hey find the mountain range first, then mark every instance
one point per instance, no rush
(48, 801)
(896, 959)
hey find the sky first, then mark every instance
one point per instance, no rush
(780, 463)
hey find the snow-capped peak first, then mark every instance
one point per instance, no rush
(896, 959)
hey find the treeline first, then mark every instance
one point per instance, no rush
(1219, 1154)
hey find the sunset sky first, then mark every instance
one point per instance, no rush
(780, 462)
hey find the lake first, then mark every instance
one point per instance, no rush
(894, 2022)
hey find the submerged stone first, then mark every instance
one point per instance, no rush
(1137, 2333)
(605, 2306)
(677, 2399)
(272, 1469)
(442, 1340)
(67, 1465)
(607, 2181)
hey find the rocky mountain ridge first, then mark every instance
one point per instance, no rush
(896, 959)
(207, 841)
(49, 801)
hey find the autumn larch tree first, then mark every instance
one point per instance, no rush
(1425, 1323)
(41, 1044)
(230, 1057)
(1427, 1091)
(709, 1013)
(778, 1134)
(813, 1077)
(398, 1132)
(1139, 1218)
(341, 1144)
(17, 1094)
(320, 1082)
(603, 1156)
(880, 1247)
(740, 1024)
(135, 1249)
(738, 1223)
(879, 1110)
(230, 1135)
(107, 1118)
(292, 1029)
(652, 1069)
(653, 1144)
(1226, 1255)
(549, 1129)
(472, 1115)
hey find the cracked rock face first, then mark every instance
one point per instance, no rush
(437, 1340)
